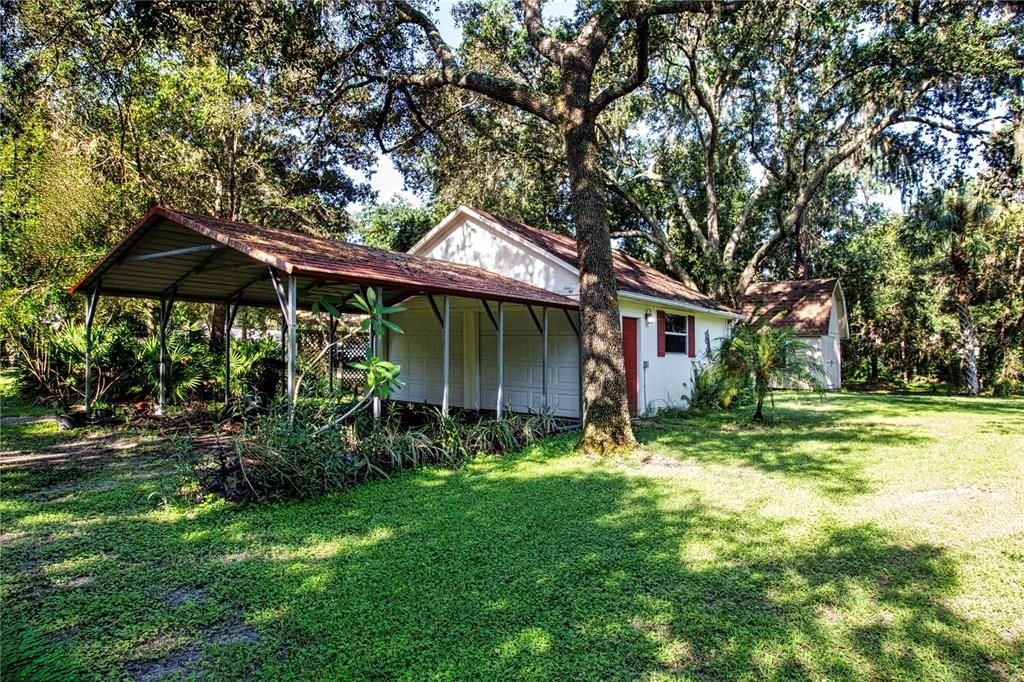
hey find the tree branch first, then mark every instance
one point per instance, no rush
(537, 34)
(865, 134)
(974, 131)
(503, 90)
(657, 235)
(640, 72)
(729, 252)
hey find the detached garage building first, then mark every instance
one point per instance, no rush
(667, 327)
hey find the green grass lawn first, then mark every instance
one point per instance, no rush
(861, 537)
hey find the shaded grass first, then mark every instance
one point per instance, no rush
(863, 537)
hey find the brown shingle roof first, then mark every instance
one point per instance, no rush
(803, 304)
(329, 260)
(631, 275)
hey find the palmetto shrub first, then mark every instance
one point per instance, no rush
(273, 456)
(49, 364)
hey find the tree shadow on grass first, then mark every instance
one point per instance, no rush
(903, 405)
(823, 449)
(521, 569)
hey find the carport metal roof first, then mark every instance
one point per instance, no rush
(202, 259)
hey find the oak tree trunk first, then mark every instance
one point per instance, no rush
(606, 425)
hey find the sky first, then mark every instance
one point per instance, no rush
(388, 182)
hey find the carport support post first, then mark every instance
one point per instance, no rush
(229, 322)
(293, 300)
(375, 348)
(332, 328)
(90, 311)
(544, 361)
(501, 357)
(445, 353)
(165, 318)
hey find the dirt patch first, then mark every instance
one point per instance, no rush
(659, 465)
(17, 421)
(68, 489)
(178, 662)
(235, 631)
(237, 557)
(185, 595)
(951, 495)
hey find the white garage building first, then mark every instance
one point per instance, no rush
(667, 327)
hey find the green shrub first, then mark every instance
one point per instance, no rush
(273, 456)
(191, 367)
(49, 364)
(256, 369)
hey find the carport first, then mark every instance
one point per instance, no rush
(170, 256)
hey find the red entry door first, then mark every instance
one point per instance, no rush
(629, 353)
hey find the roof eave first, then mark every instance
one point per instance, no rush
(682, 305)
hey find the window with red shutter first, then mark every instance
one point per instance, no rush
(676, 334)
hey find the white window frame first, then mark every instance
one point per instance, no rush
(684, 334)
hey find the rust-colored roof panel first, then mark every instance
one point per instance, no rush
(631, 275)
(802, 304)
(330, 260)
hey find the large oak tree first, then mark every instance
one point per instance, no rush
(569, 91)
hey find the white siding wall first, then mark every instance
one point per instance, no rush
(474, 243)
(419, 352)
(826, 350)
(668, 380)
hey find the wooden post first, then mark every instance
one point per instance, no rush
(90, 312)
(501, 357)
(293, 301)
(445, 353)
(544, 361)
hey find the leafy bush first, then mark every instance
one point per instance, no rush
(191, 367)
(273, 456)
(714, 390)
(256, 369)
(49, 364)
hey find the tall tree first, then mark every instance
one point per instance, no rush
(563, 87)
(203, 107)
(748, 120)
(953, 222)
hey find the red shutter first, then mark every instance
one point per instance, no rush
(661, 334)
(691, 336)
